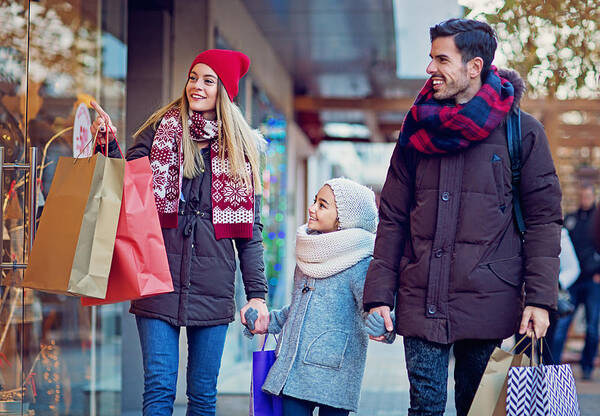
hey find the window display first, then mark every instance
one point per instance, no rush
(56, 357)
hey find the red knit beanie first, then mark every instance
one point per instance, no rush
(229, 66)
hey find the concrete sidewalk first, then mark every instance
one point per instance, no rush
(384, 389)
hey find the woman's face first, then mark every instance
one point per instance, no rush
(322, 214)
(201, 88)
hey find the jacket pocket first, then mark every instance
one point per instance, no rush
(327, 350)
(509, 270)
(498, 170)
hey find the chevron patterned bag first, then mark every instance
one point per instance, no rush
(490, 398)
(544, 390)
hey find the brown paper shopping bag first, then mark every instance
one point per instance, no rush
(140, 267)
(73, 248)
(490, 398)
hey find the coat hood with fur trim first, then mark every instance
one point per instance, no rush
(517, 82)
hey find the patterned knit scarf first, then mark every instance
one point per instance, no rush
(202, 129)
(232, 202)
(433, 126)
(326, 254)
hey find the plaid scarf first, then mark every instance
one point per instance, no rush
(434, 127)
(232, 202)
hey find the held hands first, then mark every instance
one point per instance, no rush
(99, 126)
(255, 316)
(535, 322)
(251, 315)
(376, 329)
(380, 325)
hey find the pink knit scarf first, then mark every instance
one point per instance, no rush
(232, 201)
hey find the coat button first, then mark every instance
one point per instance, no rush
(438, 253)
(431, 309)
(445, 196)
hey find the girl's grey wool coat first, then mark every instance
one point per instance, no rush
(323, 342)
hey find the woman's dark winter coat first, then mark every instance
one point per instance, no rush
(448, 254)
(202, 267)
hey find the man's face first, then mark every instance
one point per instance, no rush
(447, 70)
(586, 198)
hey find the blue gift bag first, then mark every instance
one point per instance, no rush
(261, 403)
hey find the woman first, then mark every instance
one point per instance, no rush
(323, 346)
(205, 162)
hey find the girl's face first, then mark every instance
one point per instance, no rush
(322, 214)
(201, 88)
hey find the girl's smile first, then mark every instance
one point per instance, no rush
(322, 214)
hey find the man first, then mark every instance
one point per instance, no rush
(586, 289)
(597, 230)
(448, 254)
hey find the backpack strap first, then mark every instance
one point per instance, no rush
(513, 137)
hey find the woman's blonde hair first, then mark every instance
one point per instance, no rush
(236, 139)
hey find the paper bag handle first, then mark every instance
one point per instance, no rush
(541, 341)
(518, 343)
(95, 140)
(115, 136)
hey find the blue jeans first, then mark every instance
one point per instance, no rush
(427, 366)
(298, 407)
(588, 293)
(160, 352)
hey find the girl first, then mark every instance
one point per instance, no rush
(323, 345)
(205, 161)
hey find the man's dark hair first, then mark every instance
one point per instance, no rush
(472, 39)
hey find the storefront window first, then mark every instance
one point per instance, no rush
(56, 357)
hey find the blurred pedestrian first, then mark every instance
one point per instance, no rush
(205, 161)
(586, 290)
(448, 255)
(569, 271)
(597, 230)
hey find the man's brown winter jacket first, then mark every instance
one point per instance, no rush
(448, 254)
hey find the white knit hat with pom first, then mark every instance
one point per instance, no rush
(355, 204)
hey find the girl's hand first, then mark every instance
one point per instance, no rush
(262, 322)
(99, 126)
(251, 315)
(383, 312)
(375, 325)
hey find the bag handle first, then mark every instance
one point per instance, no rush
(534, 342)
(265, 340)
(95, 140)
(519, 342)
(116, 141)
(543, 341)
(533, 350)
